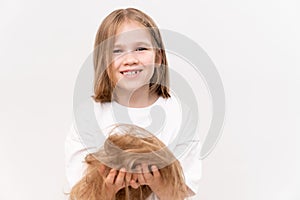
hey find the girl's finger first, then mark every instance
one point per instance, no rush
(141, 178)
(147, 175)
(134, 184)
(156, 173)
(134, 177)
(120, 178)
(111, 176)
(134, 181)
(128, 177)
(145, 168)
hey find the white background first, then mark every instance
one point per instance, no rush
(253, 43)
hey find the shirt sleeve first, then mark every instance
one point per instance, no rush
(83, 138)
(75, 153)
(188, 147)
(192, 167)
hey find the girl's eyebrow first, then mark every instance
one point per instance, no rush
(143, 43)
(117, 45)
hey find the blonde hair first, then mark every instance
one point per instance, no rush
(103, 85)
(137, 146)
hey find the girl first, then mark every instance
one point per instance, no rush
(126, 147)
(131, 85)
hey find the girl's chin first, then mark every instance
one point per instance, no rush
(131, 87)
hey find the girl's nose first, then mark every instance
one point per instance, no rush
(129, 59)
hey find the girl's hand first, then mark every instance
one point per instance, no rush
(153, 180)
(113, 180)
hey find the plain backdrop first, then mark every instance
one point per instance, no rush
(254, 45)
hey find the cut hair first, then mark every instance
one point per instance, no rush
(126, 147)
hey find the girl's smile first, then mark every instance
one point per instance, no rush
(131, 73)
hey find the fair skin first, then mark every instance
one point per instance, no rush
(115, 181)
(133, 65)
(132, 68)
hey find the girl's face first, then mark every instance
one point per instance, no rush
(133, 57)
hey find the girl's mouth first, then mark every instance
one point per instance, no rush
(131, 73)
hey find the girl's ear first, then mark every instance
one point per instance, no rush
(158, 58)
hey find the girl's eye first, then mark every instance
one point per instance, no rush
(141, 49)
(116, 51)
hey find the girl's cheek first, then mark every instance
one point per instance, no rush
(115, 64)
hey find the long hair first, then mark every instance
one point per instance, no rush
(103, 48)
(128, 146)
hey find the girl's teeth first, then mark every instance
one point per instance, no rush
(130, 72)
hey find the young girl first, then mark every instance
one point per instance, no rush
(127, 147)
(131, 85)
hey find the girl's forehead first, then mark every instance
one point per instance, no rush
(132, 32)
